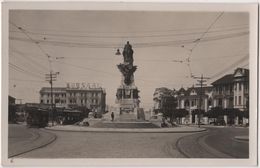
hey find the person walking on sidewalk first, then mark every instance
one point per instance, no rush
(112, 116)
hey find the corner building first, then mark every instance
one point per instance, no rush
(93, 98)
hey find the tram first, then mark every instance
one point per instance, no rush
(37, 117)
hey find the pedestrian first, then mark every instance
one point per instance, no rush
(112, 116)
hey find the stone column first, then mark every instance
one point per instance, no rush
(196, 119)
(123, 93)
(242, 95)
(225, 118)
(206, 120)
(190, 112)
(206, 104)
(236, 120)
(214, 103)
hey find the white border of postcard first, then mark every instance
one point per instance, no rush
(252, 8)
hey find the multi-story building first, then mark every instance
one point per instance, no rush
(232, 90)
(93, 98)
(58, 93)
(190, 100)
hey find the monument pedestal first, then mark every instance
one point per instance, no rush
(127, 94)
(128, 102)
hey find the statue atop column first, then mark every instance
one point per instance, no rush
(128, 54)
(126, 68)
(127, 94)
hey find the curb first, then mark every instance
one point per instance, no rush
(242, 138)
(52, 139)
(125, 130)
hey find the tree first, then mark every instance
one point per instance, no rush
(214, 112)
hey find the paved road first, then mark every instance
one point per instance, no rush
(22, 139)
(215, 143)
(110, 145)
(223, 140)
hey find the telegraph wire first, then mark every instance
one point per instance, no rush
(28, 57)
(25, 80)
(139, 32)
(203, 34)
(246, 57)
(19, 69)
(125, 36)
(32, 63)
(198, 40)
(137, 45)
(27, 65)
(34, 41)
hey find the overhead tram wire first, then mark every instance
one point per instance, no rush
(124, 36)
(24, 80)
(246, 57)
(34, 41)
(30, 59)
(35, 66)
(136, 32)
(137, 45)
(19, 69)
(28, 65)
(197, 41)
(202, 36)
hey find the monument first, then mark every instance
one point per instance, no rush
(127, 93)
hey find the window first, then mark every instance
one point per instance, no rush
(239, 86)
(41, 101)
(192, 103)
(220, 102)
(210, 102)
(246, 88)
(220, 89)
(47, 101)
(239, 100)
(235, 100)
(231, 89)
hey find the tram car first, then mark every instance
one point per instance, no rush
(37, 117)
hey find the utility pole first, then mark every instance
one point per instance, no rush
(50, 78)
(200, 83)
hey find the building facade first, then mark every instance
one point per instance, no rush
(93, 98)
(232, 90)
(190, 98)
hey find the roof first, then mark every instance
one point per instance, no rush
(198, 90)
(227, 79)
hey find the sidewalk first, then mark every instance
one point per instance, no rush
(242, 138)
(182, 129)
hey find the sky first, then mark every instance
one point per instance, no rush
(169, 48)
